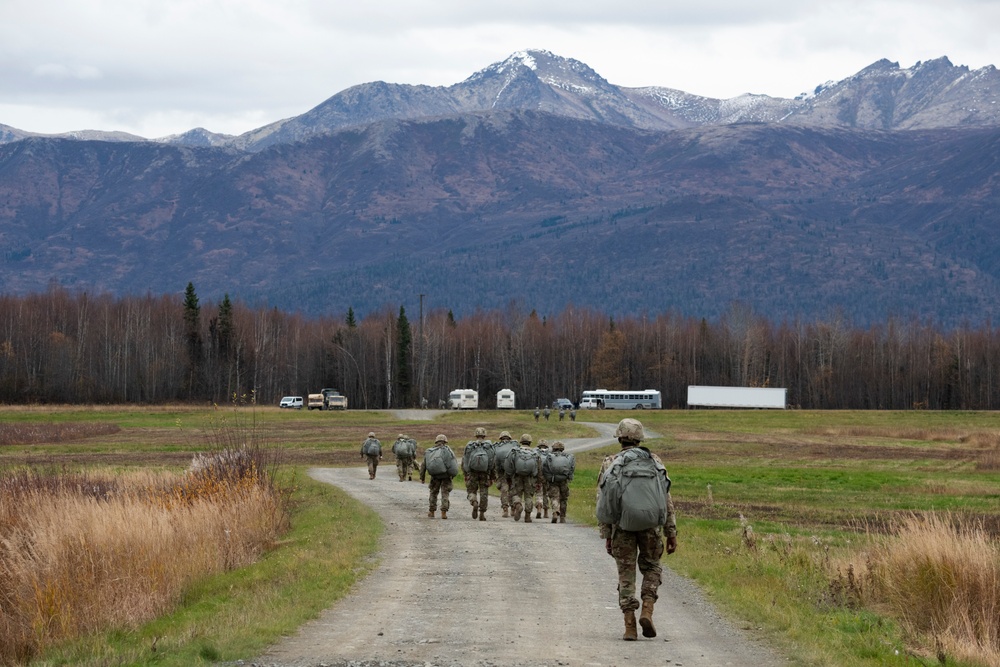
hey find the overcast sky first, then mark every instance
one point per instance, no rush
(159, 67)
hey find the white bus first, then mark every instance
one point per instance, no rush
(463, 399)
(622, 399)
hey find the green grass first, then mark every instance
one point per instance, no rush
(238, 614)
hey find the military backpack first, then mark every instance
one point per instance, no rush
(632, 493)
(559, 467)
(479, 455)
(522, 462)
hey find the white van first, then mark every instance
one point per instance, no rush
(591, 403)
(294, 402)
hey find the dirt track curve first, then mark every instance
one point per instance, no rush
(498, 593)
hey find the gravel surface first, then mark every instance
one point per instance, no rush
(498, 593)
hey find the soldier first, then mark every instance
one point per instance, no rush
(542, 486)
(546, 413)
(371, 450)
(536, 414)
(558, 473)
(524, 466)
(572, 414)
(477, 466)
(405, 449)
(562, 413)
(442, 466)
(624, 545)
(502, 449)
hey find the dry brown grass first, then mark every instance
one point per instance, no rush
(940, 580)
(81, 553)
(40, 433)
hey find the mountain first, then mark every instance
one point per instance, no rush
(538, 181)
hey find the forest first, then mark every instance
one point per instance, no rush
(60, 346)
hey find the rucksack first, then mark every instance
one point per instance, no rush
(559, 467)
(633, 491)
(502, 450)
(404, 448)
(522, 462)
(478, 454)
(373, 447)
(411, 447)
(436, 461)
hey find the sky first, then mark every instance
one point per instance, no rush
(160, 67)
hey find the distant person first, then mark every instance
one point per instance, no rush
(405, 450)
(541, 486)
(371, 451)
(442, 466)
(545, 413)
(502, 449)
(572, 414)
(523, 466)
(633, 525)
(562, 414)
(477, 467)
(558, 472)
(537, 413)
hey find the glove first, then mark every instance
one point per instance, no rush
(671, 544)
(607, 545)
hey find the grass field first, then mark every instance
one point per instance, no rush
(782, 515)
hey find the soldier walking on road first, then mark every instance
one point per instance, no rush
(371, 451)
(477, 466)
(524, 466)
(635, 513)
(442, 466)
(542, 486)
(405, 450)
(558, 472)
(502, 449)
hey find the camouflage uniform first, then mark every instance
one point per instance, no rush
(542, 486)
(558, 491)
(371, 444)
(441, 483)
(478, 482)
(405, 450)
(523, 486)
(503, 447)
(643, 548)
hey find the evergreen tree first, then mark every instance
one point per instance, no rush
(404, 375)
(350, 321)
(195, 345)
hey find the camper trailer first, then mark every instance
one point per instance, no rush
(505, 399)
(463, 399)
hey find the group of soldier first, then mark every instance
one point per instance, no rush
(521, 472)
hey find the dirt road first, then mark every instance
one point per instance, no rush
(498, 593)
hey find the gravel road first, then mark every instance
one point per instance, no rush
(498, 593)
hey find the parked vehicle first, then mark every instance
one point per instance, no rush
(293, 402)
(562, 404)
(505, 399)
(624, 399)
(737, 397)
(316, 402)
(463, 399)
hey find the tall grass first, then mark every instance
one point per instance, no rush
(81, 553)
(941, 581)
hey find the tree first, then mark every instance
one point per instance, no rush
(404, 375)
(195, 346)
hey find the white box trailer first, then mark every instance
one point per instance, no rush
(505, 399)
(737, 397)
(463, 399)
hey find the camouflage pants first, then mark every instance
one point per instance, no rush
(625, 547)
(478, 483)
(522, 491)
(558, 496)
(372, 464)
(542, 489)
(404, 465)
(503, 484)
(444, 486)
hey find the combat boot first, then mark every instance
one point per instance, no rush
(517, 512)
(527, 517)
(430, 514)
(562, 519)
(444, 515)
(646, 619)
(506, 512)
(475, 510)
(482, 515)
(545, 514)
(555, 517)
(538, 512)
(630, 631)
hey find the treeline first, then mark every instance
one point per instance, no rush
(63, 347)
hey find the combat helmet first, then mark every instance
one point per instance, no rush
(480, 432)
(371, 434)
(526, 439)
(630, 430)
(442, 438)
(558, 446)
(505, 434)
